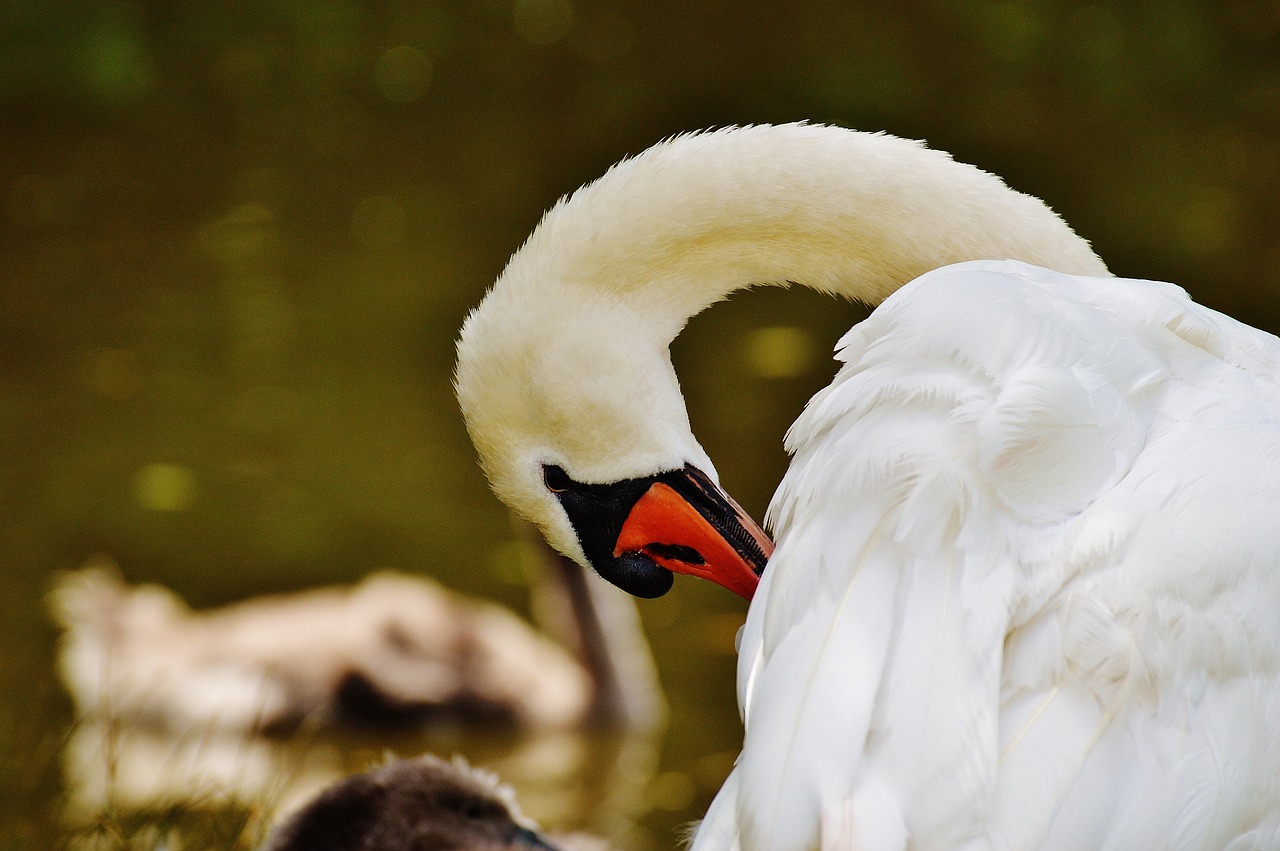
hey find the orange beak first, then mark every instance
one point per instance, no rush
(697, 530)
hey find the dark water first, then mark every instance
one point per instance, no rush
(236, 243)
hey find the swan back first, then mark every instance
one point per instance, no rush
(1025, 581)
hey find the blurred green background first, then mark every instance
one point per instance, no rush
(237, 240)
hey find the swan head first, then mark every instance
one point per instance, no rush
(576, 414)
(564, 375)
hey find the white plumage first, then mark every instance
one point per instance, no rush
(1026, 590)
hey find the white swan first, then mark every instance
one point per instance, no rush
(1026, 585)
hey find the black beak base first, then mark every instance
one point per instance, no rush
(599, 512)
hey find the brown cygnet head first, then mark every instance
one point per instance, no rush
(423, 804)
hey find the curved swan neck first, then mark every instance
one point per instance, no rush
(566, 361)
(855, 214)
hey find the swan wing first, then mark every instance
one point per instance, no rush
(1026, 579)
(718, 829)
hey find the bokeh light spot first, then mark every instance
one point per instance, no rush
(165, 487)
(720, 632)
(402, 74)
(780, 351)
(672, 790)
(241, 237)
(543, 22)
(114, 59)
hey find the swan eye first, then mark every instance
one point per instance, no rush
(556, 479)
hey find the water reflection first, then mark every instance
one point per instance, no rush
(130, 780)
(251, 709)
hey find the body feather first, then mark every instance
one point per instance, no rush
(1025, 587)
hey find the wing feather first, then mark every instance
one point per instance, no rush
(1025, 586)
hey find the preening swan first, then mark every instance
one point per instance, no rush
(1027, 570)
